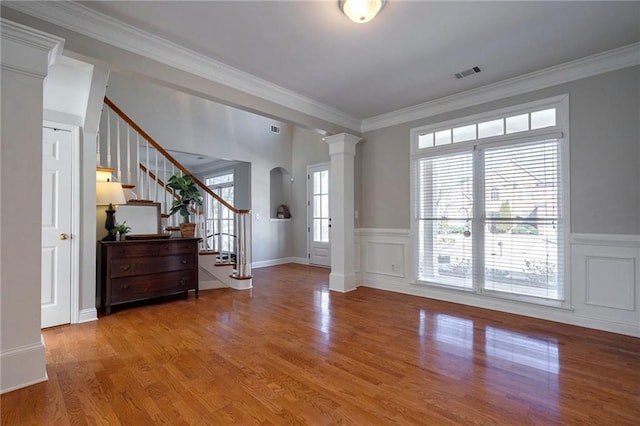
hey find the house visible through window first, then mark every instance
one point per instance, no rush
(490, 205)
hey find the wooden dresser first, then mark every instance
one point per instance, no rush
(133, 270)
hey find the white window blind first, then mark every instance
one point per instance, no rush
(445, 215)
(521, 244)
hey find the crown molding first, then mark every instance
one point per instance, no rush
(600, 63)
(88, 22)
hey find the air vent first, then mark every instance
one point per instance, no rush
(467, 73)
(275, 129)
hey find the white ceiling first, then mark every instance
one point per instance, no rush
(406, 56)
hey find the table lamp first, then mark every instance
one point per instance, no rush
(109, 193)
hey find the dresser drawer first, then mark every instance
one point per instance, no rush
(145, 265)
(128, 289)
(178, 247)
(124, 251)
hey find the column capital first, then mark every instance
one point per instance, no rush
(26, 50)
(342, 143)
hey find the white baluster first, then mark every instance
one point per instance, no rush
(109, 138)
(128, 154)
(98, 148)
(119, 171)
(148, 165)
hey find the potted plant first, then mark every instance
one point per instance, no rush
(120, 230)
(186, 200)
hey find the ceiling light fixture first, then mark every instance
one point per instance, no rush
(361, 11)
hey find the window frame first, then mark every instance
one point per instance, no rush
(560, 132)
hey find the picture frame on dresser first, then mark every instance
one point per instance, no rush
(143, 217)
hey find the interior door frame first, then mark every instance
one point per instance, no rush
(74, 294)
(309, 224)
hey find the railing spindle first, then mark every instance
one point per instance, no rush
(118, 156)
(109, 138)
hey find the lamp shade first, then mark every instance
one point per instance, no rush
(361, 11)
(109, 193)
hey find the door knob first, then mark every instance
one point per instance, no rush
(64, 236)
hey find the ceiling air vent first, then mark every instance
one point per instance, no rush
(275, 129)
(466, 73)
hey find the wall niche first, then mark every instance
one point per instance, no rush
(280, 193)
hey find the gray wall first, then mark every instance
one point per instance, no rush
(308, 149)
(605, 157)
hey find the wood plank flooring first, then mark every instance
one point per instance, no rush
(291, 352)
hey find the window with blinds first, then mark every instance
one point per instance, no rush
(490, 216)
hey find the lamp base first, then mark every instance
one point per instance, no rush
(110, 223)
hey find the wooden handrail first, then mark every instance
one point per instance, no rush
(168, 156)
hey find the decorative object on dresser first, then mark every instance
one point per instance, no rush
(135, 270)
(187, 199)
(121, 230)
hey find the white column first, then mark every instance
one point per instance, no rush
(342, 149)
(25, 59)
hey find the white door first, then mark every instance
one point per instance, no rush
(56, 226)
(319, 221)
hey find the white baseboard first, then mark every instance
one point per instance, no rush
(601, 274)
(211, 285)
(281, 261)
(87, 315)
(22, 366)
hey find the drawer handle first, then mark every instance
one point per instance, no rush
(124, 285)
(181, 281)
(184, 262)
(125, 267)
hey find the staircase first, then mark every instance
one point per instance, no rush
(143, 168)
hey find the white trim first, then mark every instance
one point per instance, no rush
(17, 366)
(549, 313)
(606, 316)
(281, 261)
(211, 285)
(382, 232)
(75, 240)
(616, 240)
(600, 63)
(98, 26)
(87, 315)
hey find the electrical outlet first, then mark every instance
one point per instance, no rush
(393, 267)
(257, 216)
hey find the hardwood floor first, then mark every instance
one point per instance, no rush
(289, 351)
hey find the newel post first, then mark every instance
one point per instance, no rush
(342, 149)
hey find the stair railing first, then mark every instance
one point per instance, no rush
(137, 159)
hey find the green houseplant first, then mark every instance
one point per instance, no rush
(186, 200)
(120, 230)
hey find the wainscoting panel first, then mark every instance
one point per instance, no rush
(385, 258)
(606, 282)
(384, 255)
(611, 282)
